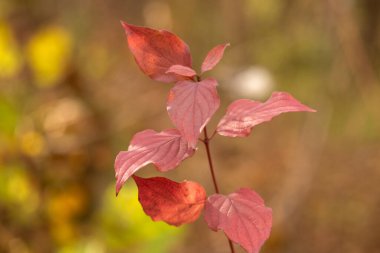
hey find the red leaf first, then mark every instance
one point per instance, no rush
(155, 51)
(182, 71)
(165, 150)
(213, 57)
(169, 201)
(243, 114)
(190, 106)
(242, 216)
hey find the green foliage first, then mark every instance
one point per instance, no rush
(127, 225)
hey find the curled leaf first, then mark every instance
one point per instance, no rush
(169, 201)
(155, 51)
(190, 106)
(242, 216)
(243, 114)
(182, 71)
(165, 150)
(213, 57)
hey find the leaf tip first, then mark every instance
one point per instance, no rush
(126, 27)
(308, 109)
(119, 185)
(123, 24)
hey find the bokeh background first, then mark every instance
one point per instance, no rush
(71, 97)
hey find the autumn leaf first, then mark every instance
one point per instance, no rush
(182, 71)
(174, 203)
(155, 51)
(242, 216)
(243, 114)
(165, 150)
(213, 57)
(190, 106)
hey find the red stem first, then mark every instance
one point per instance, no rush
(207, 144)
(206, 141)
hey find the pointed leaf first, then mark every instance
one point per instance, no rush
(213, 57)
(165, 150)
(190, 106)
(155, 51)
(182, 71)
(242, 216)
(243, 114)
(169, 201)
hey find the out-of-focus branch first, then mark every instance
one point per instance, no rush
(307, 150)
(353, 47)
(357, 58)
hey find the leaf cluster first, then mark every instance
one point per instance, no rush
(191, 103)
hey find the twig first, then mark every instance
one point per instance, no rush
(206, 141)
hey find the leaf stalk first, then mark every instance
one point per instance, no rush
(206, 141)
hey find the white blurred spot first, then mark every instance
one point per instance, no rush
(253, 82)
(157, 14)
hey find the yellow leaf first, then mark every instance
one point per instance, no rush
(10, 57)
(48, 53)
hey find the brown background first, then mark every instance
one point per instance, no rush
(71, 97)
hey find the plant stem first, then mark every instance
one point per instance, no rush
(231, 246)
(206, 141)
(207, 144)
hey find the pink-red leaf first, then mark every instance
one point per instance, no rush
(213, 57)
(242, 216)
(169, 201)
(165, 150)
(190, 106)
(155, 51)
(243, 114)
(182, 71)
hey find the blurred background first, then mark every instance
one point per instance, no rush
(71, 97)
